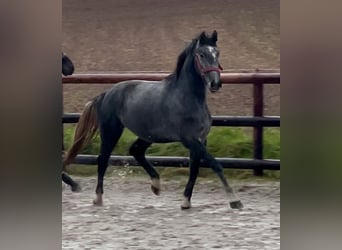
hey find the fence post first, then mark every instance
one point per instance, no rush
(258, 94)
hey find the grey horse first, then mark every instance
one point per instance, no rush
(172, 110)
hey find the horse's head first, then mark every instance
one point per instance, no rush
(206, 55)
(67, 65)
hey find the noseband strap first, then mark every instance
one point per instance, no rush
(204, 70)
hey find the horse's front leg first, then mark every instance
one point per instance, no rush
(194, 169)
(202, 153)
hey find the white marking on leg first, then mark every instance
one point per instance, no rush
(231, 195)
(98, 200)
(155, 183)
(235, 202)
(186, 203)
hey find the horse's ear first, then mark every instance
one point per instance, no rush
(197, 44)
(214, 36)
(202, 38)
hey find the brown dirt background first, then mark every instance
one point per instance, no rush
(147, 35)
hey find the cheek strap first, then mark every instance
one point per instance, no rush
(204, 70)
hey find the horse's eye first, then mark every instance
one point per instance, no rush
(201, 55)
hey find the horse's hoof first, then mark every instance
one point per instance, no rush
(155, 190)
(236, 205)
(76, 188)
(155, 186)
(97, 202)
(185, 207)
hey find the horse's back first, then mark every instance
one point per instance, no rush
(135, 91)
(131, 97)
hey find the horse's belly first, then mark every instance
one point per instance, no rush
(152, 131)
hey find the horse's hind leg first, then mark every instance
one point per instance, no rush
(75, 187)
(109, 137)
(138, 150)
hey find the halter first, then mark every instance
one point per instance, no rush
(207, 69)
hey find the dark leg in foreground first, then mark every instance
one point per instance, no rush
(197, 152)
(75, 187)
(137, 150)
(109, 138)
(194, 169)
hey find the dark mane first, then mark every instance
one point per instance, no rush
(181, 59)
(183, 56)
(204, 40)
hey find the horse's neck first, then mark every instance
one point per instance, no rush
(191, 84)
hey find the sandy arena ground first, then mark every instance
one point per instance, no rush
(133, 218)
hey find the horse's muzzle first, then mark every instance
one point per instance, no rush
(214, 81)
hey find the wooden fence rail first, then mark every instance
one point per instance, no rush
(258, 121)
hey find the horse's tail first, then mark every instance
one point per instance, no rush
(85, 130)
